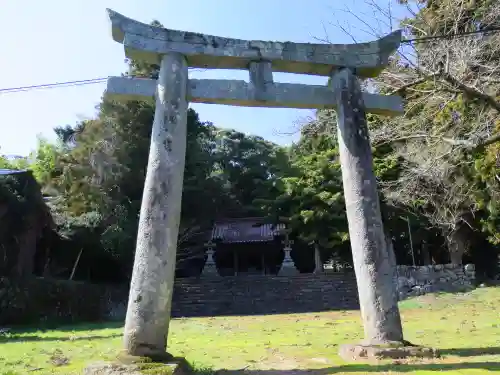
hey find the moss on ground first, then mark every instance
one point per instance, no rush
(464, 327)
(148, 366)
(155, 369)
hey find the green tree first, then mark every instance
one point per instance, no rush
(44, 161)
(246, 167)
(4, 163)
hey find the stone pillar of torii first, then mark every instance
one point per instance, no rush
(149, 305)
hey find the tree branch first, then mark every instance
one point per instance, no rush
(489, 141)
(472, 91)
(467, 144)
(413, 83)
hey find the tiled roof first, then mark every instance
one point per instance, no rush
(11, 171)
(245, 230)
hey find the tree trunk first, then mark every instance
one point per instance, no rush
(46, 268)
(318, 263)
(27, 248)
(458, 242)
(75, 265)
(426, 255)
(457, 249)
(372, 263)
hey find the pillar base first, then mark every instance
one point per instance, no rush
(129, 365)
(393, 350)
(121, 369)
(288, 270)
(209, 272)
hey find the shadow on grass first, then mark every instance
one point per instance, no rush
(471, 352)
(65, 327)
(367, 368)
(31, 333)
(9, 338)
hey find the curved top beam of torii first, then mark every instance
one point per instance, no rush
(148, 43)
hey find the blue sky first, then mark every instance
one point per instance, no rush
(56, 41)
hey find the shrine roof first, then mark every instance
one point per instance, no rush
(12, 171)
(242, 230)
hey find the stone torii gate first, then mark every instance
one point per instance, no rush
(149, 306)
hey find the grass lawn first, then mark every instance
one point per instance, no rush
(465, 326)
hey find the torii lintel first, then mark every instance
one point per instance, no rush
(148, 43)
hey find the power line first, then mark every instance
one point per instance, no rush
(426, 39)
(54, 85)
(92, 81)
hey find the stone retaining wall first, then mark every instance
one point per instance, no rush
(43, 300)
(416, 281)
(39, 301)
(248, 295)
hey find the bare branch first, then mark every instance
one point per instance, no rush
(411, 84)
(472, 91)
(455, 113)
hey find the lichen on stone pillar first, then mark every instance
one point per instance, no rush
(151, 288)
(372, 263)
(261, 79)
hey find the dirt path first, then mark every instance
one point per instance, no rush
(279, 364)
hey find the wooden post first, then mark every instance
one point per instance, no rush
(318, 263)
(149, 305)
(235, 263)
(372, 263)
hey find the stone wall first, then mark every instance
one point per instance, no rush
(416, 281)
(264, 294)
(39, 301)
(43, 300)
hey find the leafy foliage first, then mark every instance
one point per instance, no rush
(437, 166)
